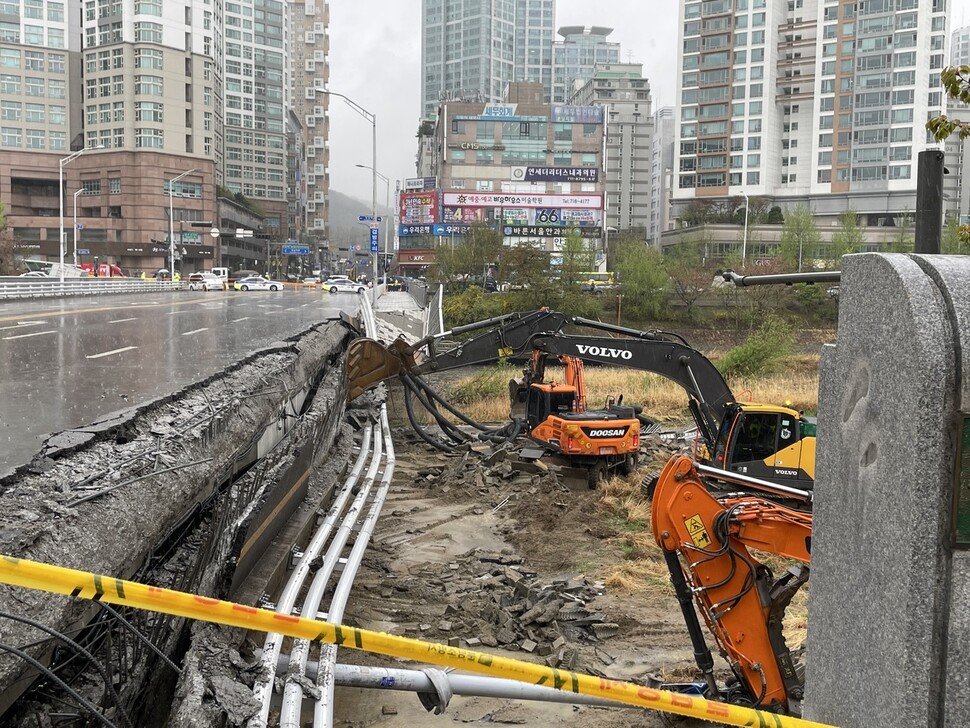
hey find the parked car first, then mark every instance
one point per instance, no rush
(205, 282)
(257, 283)
(311, 281)
(342, 284)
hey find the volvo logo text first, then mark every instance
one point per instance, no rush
(604, 351)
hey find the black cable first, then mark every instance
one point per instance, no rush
(109, 686)
(64, 686)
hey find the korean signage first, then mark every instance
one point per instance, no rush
(413, 184)
(406, 230)
(419, 208)
(558, 174)
(578, 114)
(489, 199)
(450, 229)
(542, 231)
(503, 111)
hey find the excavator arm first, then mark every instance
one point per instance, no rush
(707, 543)
(520, 334)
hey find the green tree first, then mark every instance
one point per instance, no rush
(849, 238)
(466, 257)
(775, 216)
(690, 276)
(901, 240)
(577, 257)
(643, 279)
(800, 239)
(952, 241)
(956, 82)
(8, 261)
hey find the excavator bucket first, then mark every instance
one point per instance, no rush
(369, 363)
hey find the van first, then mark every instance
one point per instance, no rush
(223, 275)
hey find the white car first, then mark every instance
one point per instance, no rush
(205, 282)
(343, 285)
(257, 283)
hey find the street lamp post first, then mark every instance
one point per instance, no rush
(372, 118)
(744, 239)
(171, 224)
(387, 206)
(75, 223)
(60, 194)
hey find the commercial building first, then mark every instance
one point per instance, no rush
(807, 102)
(531, 169)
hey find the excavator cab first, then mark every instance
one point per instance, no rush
(545, 400)
(767, 442)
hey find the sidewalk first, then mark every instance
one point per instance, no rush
(402, 312)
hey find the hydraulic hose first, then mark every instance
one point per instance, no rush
(434, 442)
(419, 381)
(449, 429)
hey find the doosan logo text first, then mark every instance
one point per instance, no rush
(604, 351)
(617, 432)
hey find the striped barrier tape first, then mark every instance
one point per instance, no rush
(59, 580)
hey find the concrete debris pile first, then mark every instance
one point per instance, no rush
(493, 602)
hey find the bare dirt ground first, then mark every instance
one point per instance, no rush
(505, 562)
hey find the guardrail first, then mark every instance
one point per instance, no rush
(29, 287)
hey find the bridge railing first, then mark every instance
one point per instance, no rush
(30, 287)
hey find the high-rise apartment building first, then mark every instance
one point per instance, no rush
(256, 83)
(310, 64)
(661, 172)
(533, 42)
(819, 102)
(624, 94)
(576, 55)
(467, 51)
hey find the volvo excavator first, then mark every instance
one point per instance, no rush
(708, 542)
(773, 443)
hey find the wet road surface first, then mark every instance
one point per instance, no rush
(67, 362)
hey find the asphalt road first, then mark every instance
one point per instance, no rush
(68, 362)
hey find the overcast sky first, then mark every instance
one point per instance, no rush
(375, 59)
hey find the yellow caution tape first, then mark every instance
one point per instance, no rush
(56, 579)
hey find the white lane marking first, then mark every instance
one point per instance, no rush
(24, 336)
(236, 321)
(109, 353)
(22, 324)
(189, 333)
(121, 321)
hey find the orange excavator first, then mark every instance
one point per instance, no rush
(708, 542)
